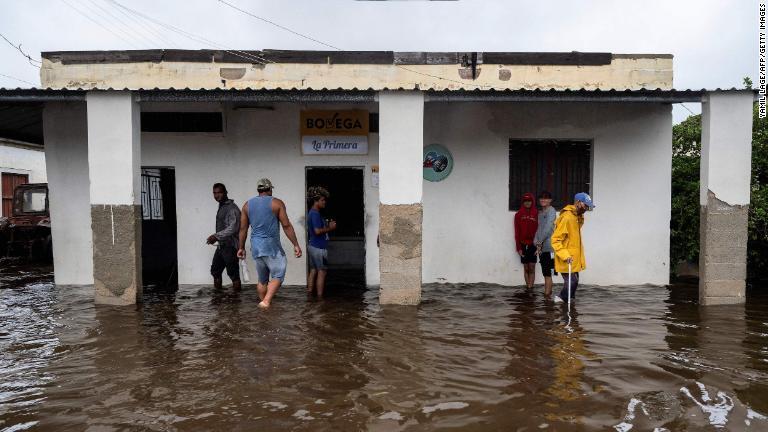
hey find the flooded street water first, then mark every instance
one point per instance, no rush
(471, 357)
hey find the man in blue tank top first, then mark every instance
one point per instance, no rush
(317, 251)
(264, 214)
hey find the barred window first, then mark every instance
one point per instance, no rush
(561, 167)
(151, 195)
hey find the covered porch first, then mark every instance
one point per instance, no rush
(452, 231)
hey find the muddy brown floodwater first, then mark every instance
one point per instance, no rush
(471, 357)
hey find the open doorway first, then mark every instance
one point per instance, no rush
(346, 248)
(159, 259)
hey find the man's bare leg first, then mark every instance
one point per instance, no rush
(262, 290)
(532, 271)
(236, 285)
(217, 283)
(311, 281)
(548, 286)
(321, 282)
(272, 287)
(530, 274)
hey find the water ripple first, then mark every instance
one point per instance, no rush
(477, 357)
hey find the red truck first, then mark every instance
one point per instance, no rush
(27, 233)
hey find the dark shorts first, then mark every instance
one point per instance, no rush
(547, 263)
(529, 254)
(225, 258)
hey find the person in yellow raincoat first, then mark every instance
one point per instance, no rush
(566, 242)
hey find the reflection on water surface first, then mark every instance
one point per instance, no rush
(471, 357)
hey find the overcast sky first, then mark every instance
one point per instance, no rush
(714, 42)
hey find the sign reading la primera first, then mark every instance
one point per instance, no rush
(334, 132)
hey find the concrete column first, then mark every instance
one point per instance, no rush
(66, 162)
(401, 147)
(114, 168)
(726, 156)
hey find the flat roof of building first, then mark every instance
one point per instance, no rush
(350, 70)
(573, 58)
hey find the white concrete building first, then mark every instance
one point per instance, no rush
(20, 162)
(508, 123)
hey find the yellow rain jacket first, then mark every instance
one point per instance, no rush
(566, 241)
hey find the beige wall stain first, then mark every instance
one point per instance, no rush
(622, 74)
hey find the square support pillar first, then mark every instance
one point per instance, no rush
(401, 149)
(726, 161)
(114, 169)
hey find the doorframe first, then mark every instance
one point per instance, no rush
(175, 204)
(362, 169)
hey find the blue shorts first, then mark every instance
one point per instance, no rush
(271, 268)
(318, 258)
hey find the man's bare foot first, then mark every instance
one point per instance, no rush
(263, 305)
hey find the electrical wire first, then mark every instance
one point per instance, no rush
(17, 79)
(480, 86)
(29, 58)
(255, 58)
(125, 28)
(683, 105)
(142, 23)
(278, 25)
(89, 18)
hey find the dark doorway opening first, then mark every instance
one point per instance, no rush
(346, 205)
(158, 227)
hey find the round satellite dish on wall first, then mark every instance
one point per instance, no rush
(438, 163)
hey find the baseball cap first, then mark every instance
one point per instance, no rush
(264, 184)
(585, 198)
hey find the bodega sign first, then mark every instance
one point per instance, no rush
(332, 132)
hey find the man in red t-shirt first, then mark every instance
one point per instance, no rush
(526, 223)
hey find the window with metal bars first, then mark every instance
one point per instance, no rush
(561, 167)
(151, 195)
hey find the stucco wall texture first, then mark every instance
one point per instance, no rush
(20, 159)
(622, 73)
(468, 232)
(400, 255)
(255, 144)
(467, 227)
(117, 253)
(66, 152)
